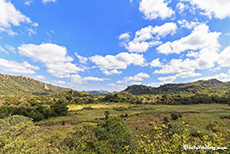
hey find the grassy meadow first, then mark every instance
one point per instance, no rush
(203, 118)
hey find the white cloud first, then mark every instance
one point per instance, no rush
(111, 72)
(120, 61)
(54, 57)
(40, 77)
(48, 1)
(135, 83)
(10, 17)
(156, 84)
(189, 25)
(200, 38)
(154, 9)
(181, 7)
(77, 79)
(156, 63)
(147, 37)
(219, 8)
(178, 66)
(59, 82)
(81, 59)
(124, 36)
(221, 76)
(3, 50)
(10, 48)
(170, 79)
(193, 54)
(224, 57)
(139, 77)
(46, 53)
(12, 66)
(117, 86)
(28, 2)
(205, 60)
(62, 70)
(8, 31)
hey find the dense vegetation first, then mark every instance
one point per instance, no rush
(212, 86)
(24, 85)
(161, 120)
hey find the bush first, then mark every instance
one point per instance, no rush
(174, 116)
(115, 131)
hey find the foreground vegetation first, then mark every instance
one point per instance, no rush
(163, 121)
(129, 129)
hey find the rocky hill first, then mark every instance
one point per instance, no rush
(23, 85)
(203, 86)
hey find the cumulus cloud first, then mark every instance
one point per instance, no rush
(62, 70)
(10, 16)
(120, 61)
(48, 1)
(156, 63)
(200, 38)
(170, 79)
(147, 37)
(139, 77)
(111, 72)
(124, 36)
(40, 77)
(189, 25)
(224, 57)
(181, 7)
(77, 79)
(117, 86)
(218, 8)
(206, 59)
(46, 52)
(59, 82)
(221, 76)
(54, 57)
(12, 66)
(154, 9)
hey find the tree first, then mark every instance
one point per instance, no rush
(60, 108)
(115, 131)
(106, 113)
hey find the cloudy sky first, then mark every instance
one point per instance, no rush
(101, 44)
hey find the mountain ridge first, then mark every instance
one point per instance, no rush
(24, 85)
(211, 85)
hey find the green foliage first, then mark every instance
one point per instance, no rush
(211, 86)
(174, 116)
(165, 141)
(18, 134)
(121, 97)
(115, 131)
(37, 113)
(85, 141)
(23, 85)
(60, 108)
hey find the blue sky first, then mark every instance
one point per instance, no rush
(93, 45)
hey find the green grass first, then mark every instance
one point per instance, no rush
(78, 114)
(205, 118)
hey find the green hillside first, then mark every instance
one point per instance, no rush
(23, 85)
(212, 86)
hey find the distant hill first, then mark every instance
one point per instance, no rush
(203, 86)
(23, 85)
(97, 91)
